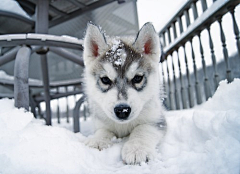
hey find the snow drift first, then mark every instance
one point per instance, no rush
(205, 139)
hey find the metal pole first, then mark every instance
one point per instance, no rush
(44, 65)
(42, 27)
(76, 124)
(9, 56)
(68, 55)
(21, 88)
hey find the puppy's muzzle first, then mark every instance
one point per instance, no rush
(122, 111)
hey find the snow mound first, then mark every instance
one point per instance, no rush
(200, 140)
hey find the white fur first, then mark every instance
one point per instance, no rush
(146, 106)
(110, 71)
(132, 70)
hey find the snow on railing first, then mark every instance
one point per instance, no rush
(41, 39)
(187, 26)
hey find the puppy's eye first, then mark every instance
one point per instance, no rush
(106, 81)
(137, 79)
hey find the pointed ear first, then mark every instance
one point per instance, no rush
(147, 41)
(94, 43)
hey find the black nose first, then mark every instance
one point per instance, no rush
(122, 111)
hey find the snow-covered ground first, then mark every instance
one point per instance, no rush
(205, 139)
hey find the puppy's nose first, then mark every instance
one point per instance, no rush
(122, 111)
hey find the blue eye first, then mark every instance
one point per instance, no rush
(137, 79)
(106, 81)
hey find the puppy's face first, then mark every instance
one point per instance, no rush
(121, 77)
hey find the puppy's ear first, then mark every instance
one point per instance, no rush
(147, 41)
(94, 43)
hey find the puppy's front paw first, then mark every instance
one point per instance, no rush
(135, 152)
(98, 143)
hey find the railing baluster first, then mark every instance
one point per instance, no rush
(169, 35)
(191, 103)
(183, 94)
(206, 82)
(216, 79)
(164, 40)
(204, 5)
(194, 9)
(197, 85)
(179, 31)
(236, 30)
(170, 93)
(180, 24)
(225, 51)
(174, 30)
(186, 14)
(177, 101)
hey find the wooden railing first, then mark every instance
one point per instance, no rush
(182, 42)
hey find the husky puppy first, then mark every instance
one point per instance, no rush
(123, 90)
